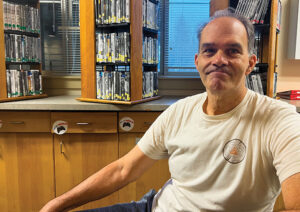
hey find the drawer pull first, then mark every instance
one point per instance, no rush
(61, 147)
(82, 123)
(16, 122)
(148, 123)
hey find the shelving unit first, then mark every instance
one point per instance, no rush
(270, 38)
(4, 64)
(88, 29)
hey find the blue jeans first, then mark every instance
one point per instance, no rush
(143, 205)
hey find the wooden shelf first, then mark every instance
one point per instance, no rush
(149, 65)
(262, 65)
(88, 29)
(23, 98)
(22, 63)
(153, 1)
(116, 25)
(113, 64)
(148, 30)
(16, 32)
(118, 102)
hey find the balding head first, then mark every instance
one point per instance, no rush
(229, 12)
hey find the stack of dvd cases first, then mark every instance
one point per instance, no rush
(113, 85)
(112, 11)
(257, 81)
(150, 50)
(150, 84)
(23, 82)
(113, 47)
(22, 48)
(255, 10)
(258, 46)
(150, 14)
(21, 17)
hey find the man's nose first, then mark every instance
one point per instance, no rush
(220, 59)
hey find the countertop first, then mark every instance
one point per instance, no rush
(69, 103)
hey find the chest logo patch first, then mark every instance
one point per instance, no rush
(234, 151)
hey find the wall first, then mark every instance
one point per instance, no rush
(288, 70)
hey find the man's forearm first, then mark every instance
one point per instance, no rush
(99, 185)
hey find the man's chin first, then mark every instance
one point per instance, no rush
(217, 87)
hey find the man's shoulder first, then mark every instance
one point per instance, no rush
(269, 107)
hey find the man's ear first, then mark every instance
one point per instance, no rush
(252, 63)
(196, 59)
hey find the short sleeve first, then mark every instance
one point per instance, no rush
(285, 144)
(153, 141)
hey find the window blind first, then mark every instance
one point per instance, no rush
(60, 36)
(182, 19)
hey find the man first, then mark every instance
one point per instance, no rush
(229, 149)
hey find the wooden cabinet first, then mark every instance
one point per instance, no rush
(30, 62)
(88, 52)
(89, 144)
(37, 165)
(157, 175)
(26, 161)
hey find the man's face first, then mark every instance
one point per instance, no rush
(223, 60)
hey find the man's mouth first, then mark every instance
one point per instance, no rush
(217, 71)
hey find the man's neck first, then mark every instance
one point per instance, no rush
(223, 102)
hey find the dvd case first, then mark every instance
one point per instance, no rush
(23, 82)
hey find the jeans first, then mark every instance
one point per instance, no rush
(143, 205)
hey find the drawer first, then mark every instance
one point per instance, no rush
(87, 122)
(136, 121)
(24, 121)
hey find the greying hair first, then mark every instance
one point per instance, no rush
(230, 12)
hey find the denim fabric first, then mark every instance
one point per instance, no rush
(143, 205)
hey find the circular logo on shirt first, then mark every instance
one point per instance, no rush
(234, 151)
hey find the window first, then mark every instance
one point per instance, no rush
(60, 36)
(180, 22)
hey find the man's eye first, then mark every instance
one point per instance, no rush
(208, 51)
(233, 51)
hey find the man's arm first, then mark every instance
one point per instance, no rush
(104, 182)
(291, 193)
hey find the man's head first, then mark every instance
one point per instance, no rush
(225, 57)
(230, 12)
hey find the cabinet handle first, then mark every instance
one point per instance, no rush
(16, 122)
(61, 147)
(148, 123)
(82, 123)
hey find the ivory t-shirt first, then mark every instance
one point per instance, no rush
(229, 162)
